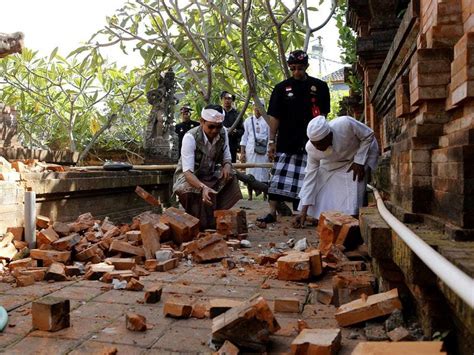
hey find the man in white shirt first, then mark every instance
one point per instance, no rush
(204, 180)
(255, 130)
(341, 154)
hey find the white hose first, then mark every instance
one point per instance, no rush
(460, 283)
(30, 218)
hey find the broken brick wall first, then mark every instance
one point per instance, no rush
(419, 101)
(11, 205)
(62, 196)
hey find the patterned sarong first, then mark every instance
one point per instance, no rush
(287, 175)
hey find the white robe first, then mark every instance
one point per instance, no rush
(327, 185)
(262, 130)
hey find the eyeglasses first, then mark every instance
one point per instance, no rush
(214, 126)
(295, 68)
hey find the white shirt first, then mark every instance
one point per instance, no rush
(261, 130)
(353, 142)
(188, 148)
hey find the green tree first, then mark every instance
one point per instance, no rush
(239, 46)
(67, 103)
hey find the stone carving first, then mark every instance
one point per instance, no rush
(158, 136)
(10, 43)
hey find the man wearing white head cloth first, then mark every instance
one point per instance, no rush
(204, 180)
(341, 153)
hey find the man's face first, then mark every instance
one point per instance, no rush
(298, 71)
(227, 101)
(324, 143)
(211, 129)
(185, 114)
(256, 112)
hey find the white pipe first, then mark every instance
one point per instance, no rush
(30, 218)
(460, 283)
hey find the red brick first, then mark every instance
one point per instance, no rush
(38, 273)
(66, 243)
(61, 228)
(317, 342)
(294, 267)
(167, 265)
(124, 247)
(133, 236)
(25, 280)
(50, 255)
(405, 348)
(135, 285)
(349, 286)
(88, 253)
(18, 232)
(367, 308)
(337, 228)
(177, 309)
(287, 305)
(22, 263)
(231, 222)
(221, 305)
(184, 227)
(42, 222)
(247, 326)
(210, 247)
(56, 272)
(50, 314)
(82, 223)
(153, 294)
(46, 236)
(150, 239)
(149, 198)
(227, 349)
(135, 322)
(121, 263)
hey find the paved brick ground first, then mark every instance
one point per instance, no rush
(97, 315)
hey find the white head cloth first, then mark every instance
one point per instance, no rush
(318, 128)
(211, 115)
(262, 101)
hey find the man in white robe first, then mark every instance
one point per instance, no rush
(255, 128)
(341, 154)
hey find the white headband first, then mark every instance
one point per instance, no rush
(318, 128)
(212, 115)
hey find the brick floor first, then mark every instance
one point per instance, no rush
(98, 315)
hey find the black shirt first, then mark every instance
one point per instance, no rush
(181, 129)
(294, 103)
(234, 137)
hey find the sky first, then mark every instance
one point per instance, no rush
(67, 24)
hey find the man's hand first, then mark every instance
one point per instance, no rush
(358, 171)
(299, 220)
(243, 156)
(271, 151)
(207, 193)
(226, 172)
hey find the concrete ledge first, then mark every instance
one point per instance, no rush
(64, 196)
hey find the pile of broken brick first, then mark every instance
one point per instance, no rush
(11, 170)
(119, 255)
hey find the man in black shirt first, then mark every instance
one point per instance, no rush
(293, 103)
(231, 115)
(185, 125)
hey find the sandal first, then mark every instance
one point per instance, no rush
(269, 218)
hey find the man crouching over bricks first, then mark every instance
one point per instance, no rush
(204, 180)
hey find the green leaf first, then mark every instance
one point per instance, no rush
(53, 54)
